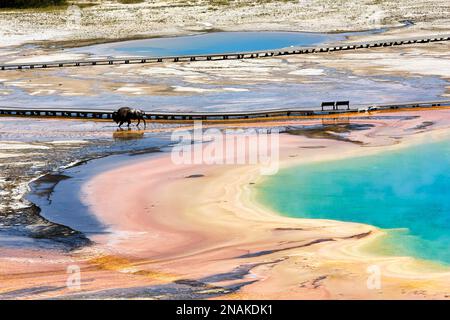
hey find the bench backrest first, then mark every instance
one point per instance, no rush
(328, 104)
(342, 103)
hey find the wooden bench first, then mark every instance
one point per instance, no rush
(327, 104)
(342, 103)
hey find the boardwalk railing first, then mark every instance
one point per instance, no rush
(232, 115)
(224, 56)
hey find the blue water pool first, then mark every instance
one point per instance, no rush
(214, 42)
(406, 192)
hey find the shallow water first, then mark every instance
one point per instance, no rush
(263, 94)
(214, 42)
(406, 192)
(59, 195)
(223, 42)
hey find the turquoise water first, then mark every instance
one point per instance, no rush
(406, 191)
(210, 43)
(217, 42)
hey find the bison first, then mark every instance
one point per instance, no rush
(126, 114)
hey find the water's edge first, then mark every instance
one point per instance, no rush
(393, 243)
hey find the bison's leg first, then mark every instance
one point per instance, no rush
(129, 123)
(139, 122)
(121, 123)
(145, 124)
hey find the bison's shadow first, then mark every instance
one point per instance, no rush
(128, 134)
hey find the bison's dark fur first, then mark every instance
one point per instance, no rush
(126, 114)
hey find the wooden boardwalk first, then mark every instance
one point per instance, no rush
(225, 56)
(97, 114)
